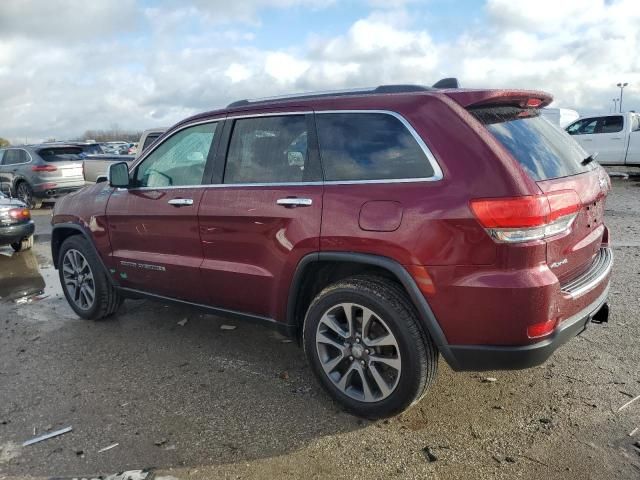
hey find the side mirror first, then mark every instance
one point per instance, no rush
(119, 175)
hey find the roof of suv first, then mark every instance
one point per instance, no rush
(446, 87)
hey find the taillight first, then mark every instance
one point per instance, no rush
(44, 168)
(521, 219)
(20, 213)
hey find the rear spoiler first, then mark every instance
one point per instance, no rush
(521, 98)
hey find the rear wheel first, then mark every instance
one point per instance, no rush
(363, 341)
(25, 193)
(84, 282)
(24, 244)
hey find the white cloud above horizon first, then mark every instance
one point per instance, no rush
(68, 66)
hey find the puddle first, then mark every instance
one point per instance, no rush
(24, 280)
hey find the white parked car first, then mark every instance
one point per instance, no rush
(615, 138)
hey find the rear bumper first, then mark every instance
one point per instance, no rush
(15, 233)
(489, 357)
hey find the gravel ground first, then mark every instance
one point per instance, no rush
(195, 401)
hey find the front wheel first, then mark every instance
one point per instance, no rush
(362, 338)
(84, 282)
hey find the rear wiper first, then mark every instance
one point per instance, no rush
(588, 160)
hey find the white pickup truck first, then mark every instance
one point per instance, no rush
(615, 137)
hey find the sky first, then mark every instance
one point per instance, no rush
(67, 66)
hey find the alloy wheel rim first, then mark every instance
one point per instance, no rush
(78, 279)
(24, 194)
(358, 352)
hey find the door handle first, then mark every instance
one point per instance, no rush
(616, 138)
(180, 202)
(294, 202)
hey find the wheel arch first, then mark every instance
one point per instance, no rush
(304, 284)
(63, 231)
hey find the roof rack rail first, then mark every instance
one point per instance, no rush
(381, 89)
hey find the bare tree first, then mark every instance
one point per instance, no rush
(4, 142)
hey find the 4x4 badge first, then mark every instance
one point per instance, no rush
(558, 264)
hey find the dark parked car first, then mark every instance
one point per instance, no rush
(38, 172)
(380, 227)
(16, 226)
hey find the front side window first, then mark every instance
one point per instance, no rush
(270, 150)
(179, 161)
(369, 146)
(583, 127)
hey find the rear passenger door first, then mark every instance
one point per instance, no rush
(264, 214)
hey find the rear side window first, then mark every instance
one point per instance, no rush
(270, 150)
(544, 150)
(611, 124)
(61, 154)
(369, 146)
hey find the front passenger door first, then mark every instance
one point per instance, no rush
(153, 225)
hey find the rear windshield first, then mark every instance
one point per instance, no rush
(544, 150)
(61, 154)
(93, 149)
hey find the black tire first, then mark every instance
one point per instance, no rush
(24, 244)
(418, 353)
(107, 300)
(25, 193)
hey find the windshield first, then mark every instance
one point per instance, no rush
(544, 150)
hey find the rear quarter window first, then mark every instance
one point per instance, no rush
(542, 149)
(369, 146)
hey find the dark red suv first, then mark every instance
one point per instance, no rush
(381, 227)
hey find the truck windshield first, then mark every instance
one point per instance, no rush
(544, 150)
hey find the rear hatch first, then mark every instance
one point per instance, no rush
(62, 161)
(559, 167)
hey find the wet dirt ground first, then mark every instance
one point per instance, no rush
(191, 400)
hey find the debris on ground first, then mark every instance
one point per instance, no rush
(429, 455)
(47, 436)
(114, 445)
(79, 452)
(228, 327)
(159, 443)
(545, 421)
(284, 375)
(633, 432)
(629, 403)
(130, 475)
(183, 322)
(489, 379)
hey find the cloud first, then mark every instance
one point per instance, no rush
(173, 62)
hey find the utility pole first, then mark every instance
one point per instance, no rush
(621, 85)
